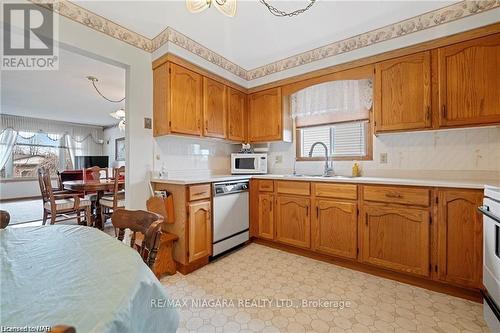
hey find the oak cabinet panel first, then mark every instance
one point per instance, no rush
(237, 116)
(185, 100)
(335, 228)
(214, 108)
(396, 238)
(403, 93)
(265, 115)
(460, 241)
(397, 194)
(266, 216)
(200, 230)
(469, 81)
(293, 224)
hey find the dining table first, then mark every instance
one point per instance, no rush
(81, 277)
(97, 186)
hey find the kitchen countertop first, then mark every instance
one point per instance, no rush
(461, 183)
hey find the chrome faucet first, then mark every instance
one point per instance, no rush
(328, 164)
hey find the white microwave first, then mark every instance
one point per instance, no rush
(248, 163)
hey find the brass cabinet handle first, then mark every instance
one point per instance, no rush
(199, 193)
(393, 195)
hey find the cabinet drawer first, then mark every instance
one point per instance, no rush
(266, 185)
(197, 192)
(341, 191)
(400, 195)
(291, 187)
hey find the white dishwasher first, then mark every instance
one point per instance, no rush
(230, 215)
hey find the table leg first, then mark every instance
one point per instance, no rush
(99, 223)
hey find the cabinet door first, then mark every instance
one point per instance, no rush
(460, 240)
(396, 238)
(237, 119)
(335, 228)
(265, 115)
(266, 216)
(185, 100)
(293, 225)
(214, 108)
(200, 230)
(469, 81)
(403, 93)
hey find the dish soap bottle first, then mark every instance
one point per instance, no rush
(356, 171)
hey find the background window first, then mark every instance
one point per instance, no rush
(344, 140)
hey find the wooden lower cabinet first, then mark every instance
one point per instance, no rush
(200, 230)
(335, 227)
(460, 240)
(266, 216)
(293, 222)
(396, 238)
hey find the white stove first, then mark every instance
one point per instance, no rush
(491, 257)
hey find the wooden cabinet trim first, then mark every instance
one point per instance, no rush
(284, 227)
(397, 195)
(335, 190)
(199, 247)
(199, 191)
(214, 109)
(292, 187)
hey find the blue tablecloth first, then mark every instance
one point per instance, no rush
(78, 276)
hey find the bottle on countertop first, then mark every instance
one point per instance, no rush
(356, 170)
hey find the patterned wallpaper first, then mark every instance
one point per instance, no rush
(169, 35)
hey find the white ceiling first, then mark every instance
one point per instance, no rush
(65, 94)
(254, 37)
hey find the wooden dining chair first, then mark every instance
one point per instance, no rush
(110, 203)
(147, 223)
(95, 173)
(4, 219)
(57, 205)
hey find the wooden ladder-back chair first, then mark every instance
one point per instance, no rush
(110, 203)
(147, 223)
(56, 205)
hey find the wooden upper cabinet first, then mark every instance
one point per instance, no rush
(266, 216)
(460, 242)
(265, 116)
(237, 116)
(200, 230)
(186, 89)
(396, 238)
(214, 108)
(403, 93)
(293, 223)
(335, 227)
(469, 81)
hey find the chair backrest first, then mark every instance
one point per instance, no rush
(94, 173)
(147, 223)
(4, 219)
(60, 186)
(45, 184)
(118, 175)
(62, 329)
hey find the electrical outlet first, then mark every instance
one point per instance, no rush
(383, 158)
(158, 157)
(278, 159)
(147, 123)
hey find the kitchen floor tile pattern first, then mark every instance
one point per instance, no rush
(257, 272)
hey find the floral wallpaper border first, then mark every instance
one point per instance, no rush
(169, 35)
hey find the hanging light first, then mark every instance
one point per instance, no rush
(121, 125)
(118, 114)
(93, 79)
(226, 7)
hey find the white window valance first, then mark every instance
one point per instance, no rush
(27, 127)
(346, 96)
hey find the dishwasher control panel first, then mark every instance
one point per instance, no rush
(230, 187)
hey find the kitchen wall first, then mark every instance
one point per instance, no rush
(192, 157)
(472, 153)
(110, 135)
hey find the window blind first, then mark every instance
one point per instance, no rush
(343, 140)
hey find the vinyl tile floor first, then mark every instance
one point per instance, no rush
(260, 289)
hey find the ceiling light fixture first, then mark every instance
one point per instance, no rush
(226, 7)
(119, 114)
(93, 79)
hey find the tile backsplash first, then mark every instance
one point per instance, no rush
(185, 157)
(459, 153)
(473, 152)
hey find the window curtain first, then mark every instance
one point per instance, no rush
(80, 139)
(335, 97)
(7, 142)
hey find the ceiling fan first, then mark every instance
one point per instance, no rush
(228, 7)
